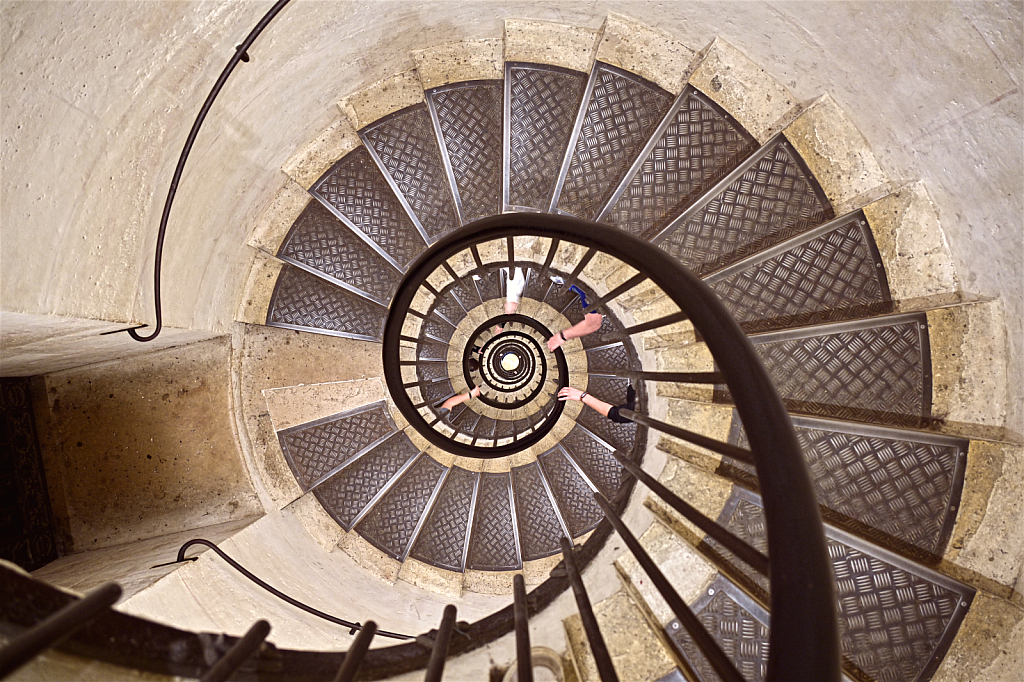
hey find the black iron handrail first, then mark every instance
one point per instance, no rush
(804, 641)
(241, 55)
(353, 627)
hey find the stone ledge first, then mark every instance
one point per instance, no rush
(687, 570)
(274, 223)
(637, 653)
(379, 99)
(469, 60)
(708, 419)
(375, 562)
(989, 645)
(259, 289)
(309, 164)
(969, 369)
(988, 537)
(644, 50)
(913, 249)
(427, 577)
(545, 42)
(838, 155)
(757, 101)
(706, 492)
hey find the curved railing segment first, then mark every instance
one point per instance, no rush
(241, 55)
(804, 641)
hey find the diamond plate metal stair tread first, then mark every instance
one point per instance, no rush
(406, 149)
(900, 489)
(699, 145)
(876, 370)
(305, 302)
(834, 276)
(897, 618)
(774, 199)
(622, 111)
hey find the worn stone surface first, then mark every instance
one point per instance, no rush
(644, 50)
(259, 289)
(384, 97)
(838, 155)
(913, 249)
(31, 345)
(271, 358)
(154, 434)
(470, 60)
(369, 558)
(131, 566)
(275, 221)
(707, 419)
(54, 665)
(705, 492)
(752, 96)
(989, 645)
(489, 582)
(427, 577)
(694, 357)
(988, 538)
(636, 652)
(546, 42)
(969, 368)
(308, 165)
(688, 571)
(308, 511)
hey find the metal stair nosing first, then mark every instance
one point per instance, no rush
(425, 513)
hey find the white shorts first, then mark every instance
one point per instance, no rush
(514, 285)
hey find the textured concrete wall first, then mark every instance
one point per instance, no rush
(98, 97)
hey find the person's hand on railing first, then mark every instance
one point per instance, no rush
(591, 323)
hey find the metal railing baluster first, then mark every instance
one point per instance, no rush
(597, 646)
(718, 446)
(56, 628)
(435, 668)
(671, 377)
(239, 653)
(630, 283)
(756, 560)
(701, 637)
(524, 663)
(356, 652)
(648, 326)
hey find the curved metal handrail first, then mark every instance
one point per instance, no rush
(241, 55)
(804, 639)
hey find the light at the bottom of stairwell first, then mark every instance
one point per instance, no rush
(509, 362)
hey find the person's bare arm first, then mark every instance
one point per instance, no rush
(591, 323)
(570, 393)
(510, 309)
(460, 398)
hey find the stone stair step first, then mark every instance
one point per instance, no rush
(637, 653)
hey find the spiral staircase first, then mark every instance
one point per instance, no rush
(797, 241)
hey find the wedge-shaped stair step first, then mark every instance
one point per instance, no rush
(449, 305)
(356, 191)
(316, 450)
(489, 284)
(442, 541)
(618, 115)
(830, 273)
(611, 390)
(494, 542)
(696, 144)
(767, 199)
(468, 119)
(573, 493)
(899, 488)
(304, 301)
(637, 653)
(322, 244)
(896, 618)
(391, 524)
(541, 104)
(540, 523)
(739, 625)
(348, 494)
(876, 370)
(594, 456)
(437, 391)
(404, 146)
